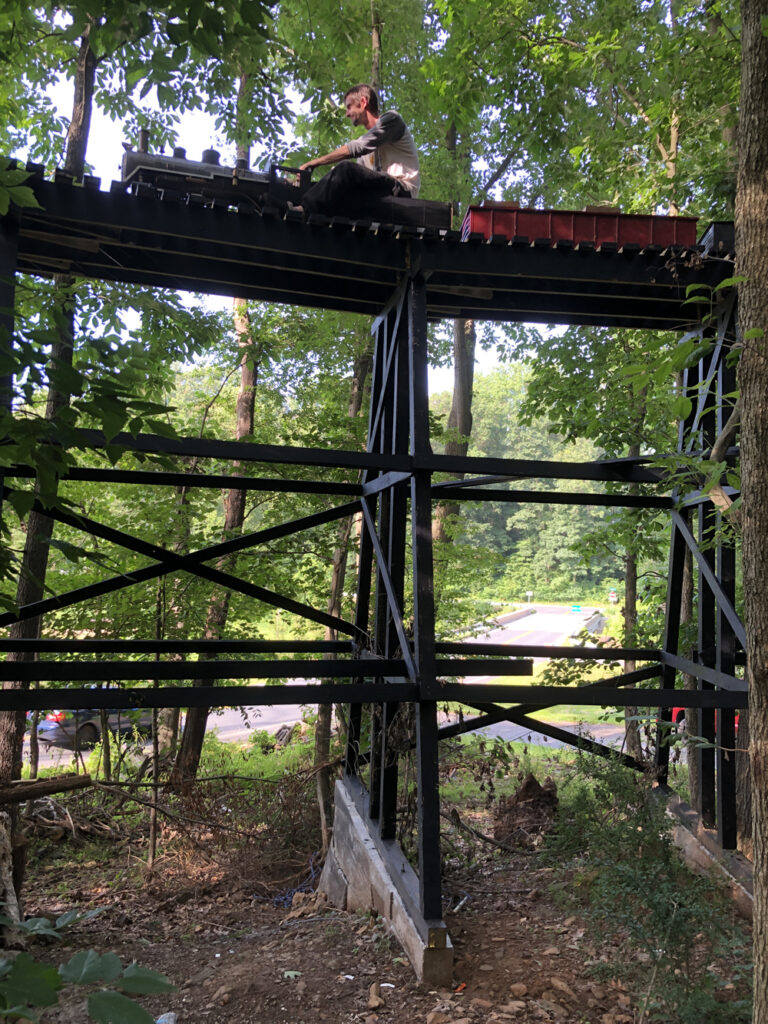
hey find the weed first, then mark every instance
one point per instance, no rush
(669, 925)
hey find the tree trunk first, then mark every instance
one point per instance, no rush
(39, 527)
(751, 247)
(324, 723)
(375, 47)
(34, 745)
(335, 601)
(460, 416)
(188, 757)
(744, 825)
(633, 739)
(106, 746)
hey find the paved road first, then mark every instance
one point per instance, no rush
(233, 725)
(546, 626)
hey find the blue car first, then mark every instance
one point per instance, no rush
(78, 730)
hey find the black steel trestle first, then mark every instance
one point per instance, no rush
(386, 663)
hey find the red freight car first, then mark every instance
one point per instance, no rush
(594, 225)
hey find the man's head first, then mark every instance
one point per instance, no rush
(362, 105)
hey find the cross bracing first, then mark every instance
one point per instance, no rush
(380, 662)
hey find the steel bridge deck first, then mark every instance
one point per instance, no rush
(355, 266)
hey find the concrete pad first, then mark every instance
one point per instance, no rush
(359, 874)
(700, 848)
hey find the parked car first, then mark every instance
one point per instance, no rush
(82, 729)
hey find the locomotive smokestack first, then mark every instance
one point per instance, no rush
(143, 140)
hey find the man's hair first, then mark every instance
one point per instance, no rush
(368, 92)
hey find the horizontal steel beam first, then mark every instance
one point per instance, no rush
(210, 647)
(608, 470)
(443, 492)
(70, 699)
(213, 481)
(588, 696)
(321, 668)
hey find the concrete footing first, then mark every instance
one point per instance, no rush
(702, 852)
(364, 872)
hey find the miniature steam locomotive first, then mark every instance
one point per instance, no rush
(207, 182)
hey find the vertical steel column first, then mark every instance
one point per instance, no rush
(430, 889)
(671, 641)
(395, 539)
(382, 419)
(677, 557)
(365, 567)
(708, 522)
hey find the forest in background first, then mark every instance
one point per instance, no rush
(546, 106)
(631, 104)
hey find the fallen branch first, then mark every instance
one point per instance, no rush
(21, 790)
(455, 819)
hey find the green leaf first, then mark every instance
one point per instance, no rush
(143, 981)
(88, 966)
(71, 916)
(30, 983)
(38, 926)
(22, 502)
(681, 407)
(72, 552)
(107, 1007)
(22, 195)
(729, 282)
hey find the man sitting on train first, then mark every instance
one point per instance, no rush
(382, 162)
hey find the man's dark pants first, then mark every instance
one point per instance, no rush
(350, 189)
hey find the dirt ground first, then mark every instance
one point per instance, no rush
(241, 960)
(244, 952)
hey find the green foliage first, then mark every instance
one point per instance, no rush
(26, 984)
(627, 875)
(13, 191)
(538, 547)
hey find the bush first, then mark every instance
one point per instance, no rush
(669, 924)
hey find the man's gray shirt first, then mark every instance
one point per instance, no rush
(389, 148)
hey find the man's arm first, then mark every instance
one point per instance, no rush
(342, 153)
